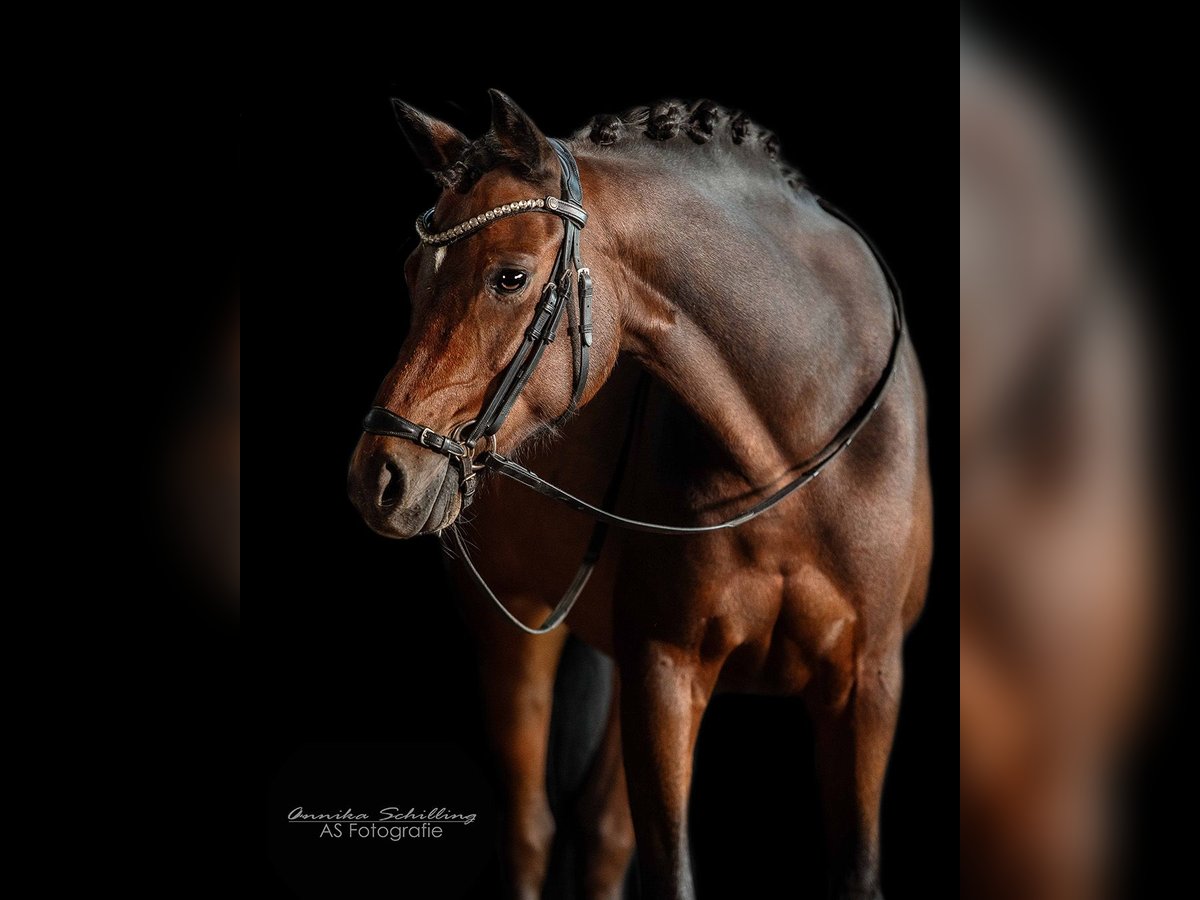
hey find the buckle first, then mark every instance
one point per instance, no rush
(585, 304)
(544, 313)
(472, 451)
(439, 443)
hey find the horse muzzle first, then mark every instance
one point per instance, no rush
(401, 491)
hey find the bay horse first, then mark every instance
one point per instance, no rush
(763, 322)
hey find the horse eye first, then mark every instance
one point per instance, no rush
(509, 281)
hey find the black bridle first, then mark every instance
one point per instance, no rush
(461, 443)
(466, 443)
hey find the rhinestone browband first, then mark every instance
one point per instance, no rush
(543, 204)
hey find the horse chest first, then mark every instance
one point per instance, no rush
(807, 642)
(768, 619)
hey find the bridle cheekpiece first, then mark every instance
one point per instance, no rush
(465, 441)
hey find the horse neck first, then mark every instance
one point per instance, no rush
(765, 316)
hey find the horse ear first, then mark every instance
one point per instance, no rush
(519, 141)
(436, 144)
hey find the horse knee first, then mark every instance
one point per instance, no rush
(608, 847)
(530, 837)
(611, 833)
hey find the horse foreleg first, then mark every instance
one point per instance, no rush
(518, 691)
(664, 693)
(854, 717)
(603, 813)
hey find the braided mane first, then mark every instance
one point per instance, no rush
(665, 123)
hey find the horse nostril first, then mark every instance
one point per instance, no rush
(391, 483)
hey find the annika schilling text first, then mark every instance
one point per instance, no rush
(391, 822)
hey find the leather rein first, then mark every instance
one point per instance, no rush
(466, 444)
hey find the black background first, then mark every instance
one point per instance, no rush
(341, 651)
(273, 144)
